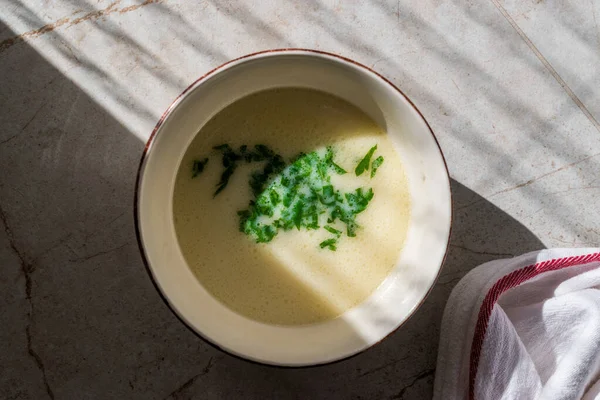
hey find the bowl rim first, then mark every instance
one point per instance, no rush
(148, 149)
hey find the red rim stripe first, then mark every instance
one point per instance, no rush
(509, 281)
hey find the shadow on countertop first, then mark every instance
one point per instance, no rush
(403, 365)
(81, 313)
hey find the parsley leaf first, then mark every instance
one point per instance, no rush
(229, 161)
(329, 243)
(376, 164)
(331, 163)
(330, 229)
(363, 165)
(198, 167)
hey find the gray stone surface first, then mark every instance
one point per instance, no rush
(509, 87)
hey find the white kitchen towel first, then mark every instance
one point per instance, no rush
(524, 328)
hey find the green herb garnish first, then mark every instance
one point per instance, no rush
(275, 165)
(261, 152)
(329, 243)
(229, 160)
(329, 160)
(376, 164)
(198, 167)
(363, 165)
(333, 230)
(298, 195)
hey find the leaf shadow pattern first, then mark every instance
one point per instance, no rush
(97, 323)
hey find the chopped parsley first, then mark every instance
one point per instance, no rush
(229, 161)
(376, 164)
(260, 153)
(363, 165)
(299, 195)
(336, 232)
(295, 195)
(198, 167)
(329, 243)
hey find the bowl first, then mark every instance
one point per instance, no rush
(420, 260)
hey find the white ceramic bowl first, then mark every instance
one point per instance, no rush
(420, 260)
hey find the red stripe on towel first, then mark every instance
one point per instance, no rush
(509, 281)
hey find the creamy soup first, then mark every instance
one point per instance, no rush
(297, 276)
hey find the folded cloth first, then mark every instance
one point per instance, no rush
(524, 328)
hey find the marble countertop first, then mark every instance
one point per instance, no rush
(511, 89)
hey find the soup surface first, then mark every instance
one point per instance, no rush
(291, 279)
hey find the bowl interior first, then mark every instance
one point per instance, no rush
(420, 260)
